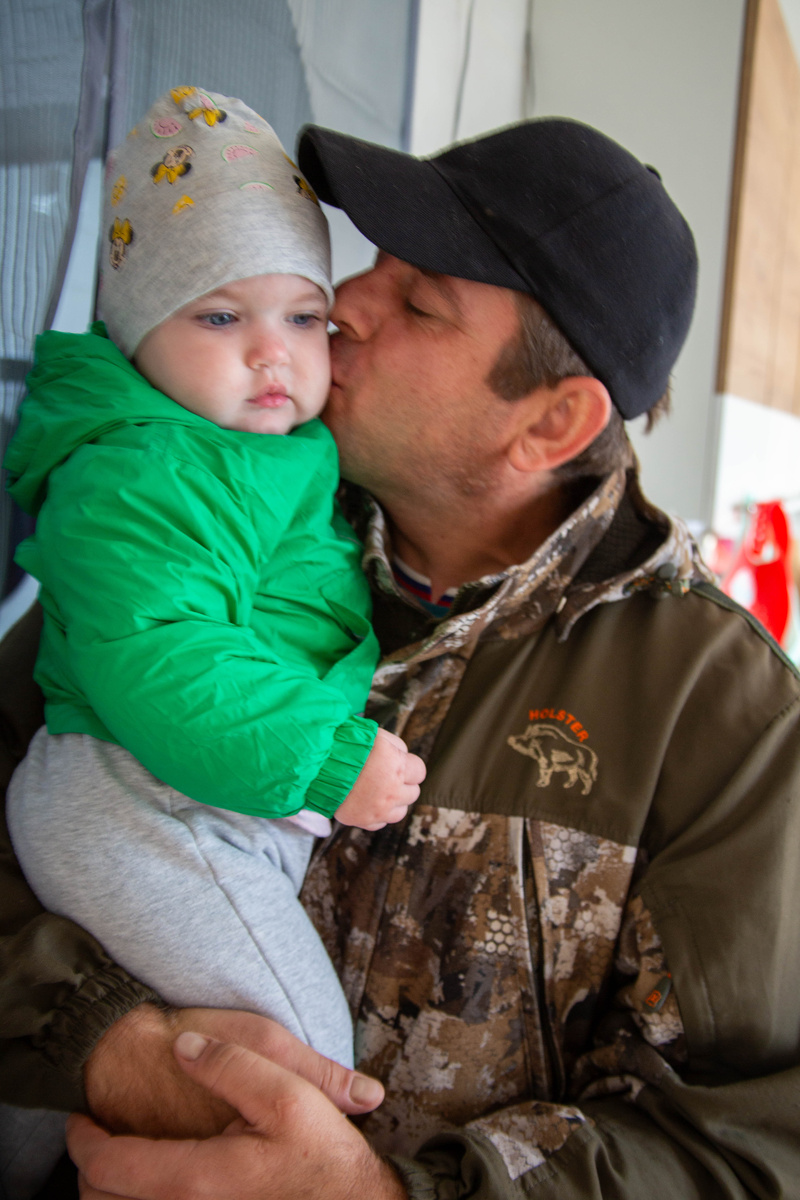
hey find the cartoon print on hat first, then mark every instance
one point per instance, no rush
(162, 127)
(305, 189)
(173, 165)
(120, 235)
(198, 104)
(210, 114)
(206, 209)
(207, 109)
(238, 150)
(118, 191)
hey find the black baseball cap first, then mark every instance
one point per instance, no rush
(550, 207)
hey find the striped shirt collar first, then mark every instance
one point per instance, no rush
(419, 586)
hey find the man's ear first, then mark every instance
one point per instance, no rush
(558, 423)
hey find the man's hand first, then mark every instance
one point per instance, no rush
(386, 785)
(289, 1143)
(135, 1085)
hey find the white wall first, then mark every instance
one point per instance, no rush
(470, 71)
(759, 459)
(661, 78)
(791, 15)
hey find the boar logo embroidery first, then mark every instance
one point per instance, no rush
(554, 751)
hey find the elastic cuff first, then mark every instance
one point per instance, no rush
(418, 1182)
(88, 1014)
(352, 743)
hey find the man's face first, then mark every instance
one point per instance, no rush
(410, 407)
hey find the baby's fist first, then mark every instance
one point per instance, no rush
(387, 784)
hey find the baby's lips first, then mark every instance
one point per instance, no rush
(270, 399)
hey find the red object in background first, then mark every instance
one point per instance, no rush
(759, 577)
(719, 553)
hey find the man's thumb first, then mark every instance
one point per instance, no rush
(243, 1079)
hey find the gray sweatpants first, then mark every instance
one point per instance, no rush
(198, 902)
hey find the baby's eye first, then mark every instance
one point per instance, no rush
(218, 319)
(304, 319)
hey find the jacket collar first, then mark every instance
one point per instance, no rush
(614, 543)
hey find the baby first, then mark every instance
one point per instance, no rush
(206, 651)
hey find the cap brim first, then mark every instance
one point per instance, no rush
(403, 205)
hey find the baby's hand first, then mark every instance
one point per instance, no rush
(387, 784)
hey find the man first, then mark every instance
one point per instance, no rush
(575, 966)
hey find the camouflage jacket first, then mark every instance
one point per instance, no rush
(571, 965)
(576, 966)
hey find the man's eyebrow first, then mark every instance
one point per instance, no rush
(442, 284)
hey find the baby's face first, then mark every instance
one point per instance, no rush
(252, 355)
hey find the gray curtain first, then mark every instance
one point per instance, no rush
(244, 48)
(41, 55)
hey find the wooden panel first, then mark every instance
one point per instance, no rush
(787, 300)
(761, 328)
(785, 392)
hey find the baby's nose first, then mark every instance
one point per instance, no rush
(267, 349)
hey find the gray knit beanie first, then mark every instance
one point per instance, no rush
(201, 193)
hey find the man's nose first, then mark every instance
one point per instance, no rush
(359, 304)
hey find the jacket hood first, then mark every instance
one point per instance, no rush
(80, 389)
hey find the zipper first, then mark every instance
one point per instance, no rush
(552, 1061)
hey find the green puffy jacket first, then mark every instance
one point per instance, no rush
(204, 602)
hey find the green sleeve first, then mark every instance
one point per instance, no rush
(59, 991)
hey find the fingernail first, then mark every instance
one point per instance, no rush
(364, 1090)
(190, 1045)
